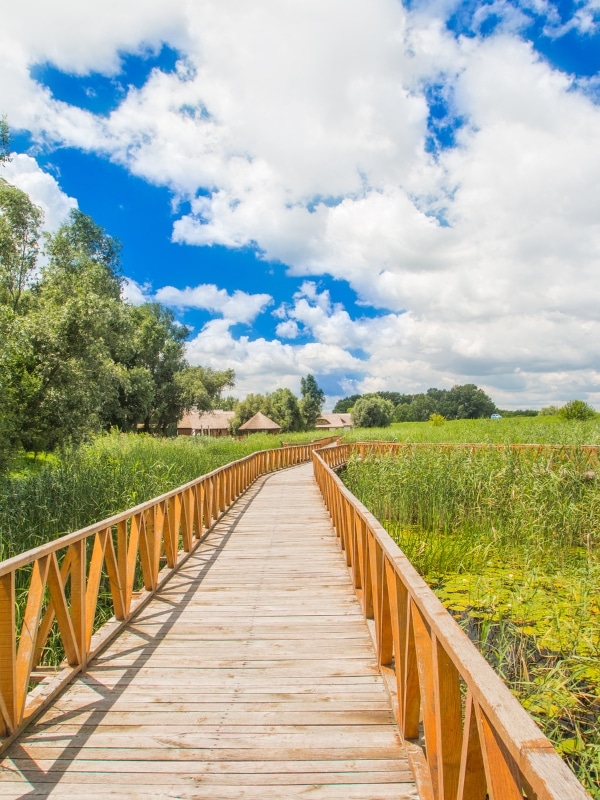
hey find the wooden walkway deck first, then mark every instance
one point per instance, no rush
(251, 675)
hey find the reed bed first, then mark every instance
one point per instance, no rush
(509, 542)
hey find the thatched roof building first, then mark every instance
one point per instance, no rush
(205, 423)
(259, 423)
(332, 422)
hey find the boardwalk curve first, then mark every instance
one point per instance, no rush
(251, 674)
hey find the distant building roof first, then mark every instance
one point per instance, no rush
(207, 421)
(259, 422)
(332, 421)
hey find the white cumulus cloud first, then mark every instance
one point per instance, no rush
(236, 307)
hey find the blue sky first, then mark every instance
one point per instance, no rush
(388, 196)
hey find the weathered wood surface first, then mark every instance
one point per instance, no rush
(250, 675)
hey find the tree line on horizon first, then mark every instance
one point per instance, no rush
(461, 402)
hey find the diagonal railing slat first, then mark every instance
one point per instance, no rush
(475, 740)
(63, 579)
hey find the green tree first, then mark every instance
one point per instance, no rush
(469, 402)
(312, 401)
(248, 407)
(20, 228)
(422, 407)
(4, 141)
(395, 397)
(372, 411)
(402, 412)
(201, 387)
(228, 403)
(344, 405)
(548, 411)
(286, 410)
(157, 345)
(16, 384)
(75, 323)
(576, 409)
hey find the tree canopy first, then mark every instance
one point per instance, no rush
(576, 409)
(283, 407)
(311, 403)
(76, 358)
(20, 230)
(460, 402)
(372, 411)
(4, 141)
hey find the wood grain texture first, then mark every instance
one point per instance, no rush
(251, 674)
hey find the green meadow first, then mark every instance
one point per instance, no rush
(509, 540)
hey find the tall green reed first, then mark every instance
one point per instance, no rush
(517, 430)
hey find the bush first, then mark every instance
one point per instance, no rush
(437, 419)
(577, 409)
(549, 411)
(372, 412)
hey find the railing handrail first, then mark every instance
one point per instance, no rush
(137, 539)
(484, 745)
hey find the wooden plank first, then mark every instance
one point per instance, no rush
(298, 755)
(306, 768)
(99, 791)
(8, 655)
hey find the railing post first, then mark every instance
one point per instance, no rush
(501, 771)
(78, 582)
(381, 603)
(207, 499)
(29, 631)
(173, 523)
(186, 521)
(472, 783)
(123, 565)
(197, 490)
(424, 643)
(7, 654)
(448, 712)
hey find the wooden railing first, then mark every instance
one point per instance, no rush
(62, 579)
(468, 736)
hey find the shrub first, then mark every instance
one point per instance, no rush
(437, 419)
(373, 412)
(549, 411)
(577, 409)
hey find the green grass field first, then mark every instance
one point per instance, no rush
(526, 430)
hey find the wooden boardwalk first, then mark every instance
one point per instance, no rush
(252, 674)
